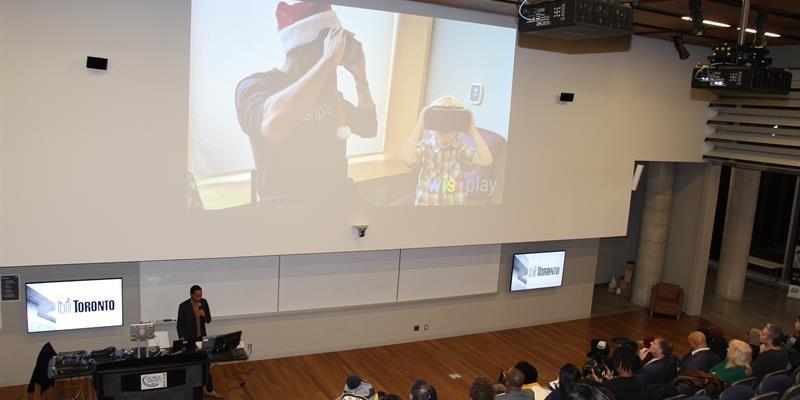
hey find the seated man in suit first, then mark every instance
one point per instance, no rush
(700, 358)
(663, 367)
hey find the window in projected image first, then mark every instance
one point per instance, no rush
(301, 104)
(537, 270)
(58, 306)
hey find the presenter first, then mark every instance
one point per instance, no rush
(295, 115)
(193, 315)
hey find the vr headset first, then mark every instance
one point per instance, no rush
(448, 119)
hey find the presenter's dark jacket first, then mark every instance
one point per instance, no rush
(187, 323)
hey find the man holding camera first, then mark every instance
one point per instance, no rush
(622, 382)
(295, 116)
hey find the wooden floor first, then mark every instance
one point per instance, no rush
(394, 368)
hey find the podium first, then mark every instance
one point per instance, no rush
(175, 377)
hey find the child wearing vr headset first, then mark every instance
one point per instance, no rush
(442, 155)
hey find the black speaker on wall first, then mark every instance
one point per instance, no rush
(96, 63)
(567, 97)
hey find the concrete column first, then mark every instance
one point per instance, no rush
(739, 216)
(654, 230)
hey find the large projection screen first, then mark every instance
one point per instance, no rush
(157, 158)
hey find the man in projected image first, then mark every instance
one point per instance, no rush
(296, 117)
(443, 157)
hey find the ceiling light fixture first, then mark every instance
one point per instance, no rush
(709, 22)
(770, 34)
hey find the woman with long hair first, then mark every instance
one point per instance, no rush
(737, 364)
(568, 377)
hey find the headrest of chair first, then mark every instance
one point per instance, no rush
(739, 392)
(667, 289)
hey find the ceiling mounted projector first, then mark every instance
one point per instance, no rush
(575, 19)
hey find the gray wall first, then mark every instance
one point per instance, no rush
(295, 333)
(689, 241)
(23, 347)
(615, 252)
(691, 226)
(785, 56)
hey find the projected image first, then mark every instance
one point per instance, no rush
(304, 104)
(57, 306)
(537, 270)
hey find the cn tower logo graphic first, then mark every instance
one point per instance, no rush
(65, 307)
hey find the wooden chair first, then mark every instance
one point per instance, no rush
(666, 298)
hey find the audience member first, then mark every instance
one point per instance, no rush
(421, 390)
(663, 367)
(481, 389)
(700, 357)
(794, 339)
(717, 342)
(754, 340)
(585, 391)
(568, 377)
(622, 384)
(736, 365)
(532, 379)
(357, 386)
(772, 356)
(514, 379)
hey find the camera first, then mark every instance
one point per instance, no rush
(592, 365)
(448, 119)
(597, 359)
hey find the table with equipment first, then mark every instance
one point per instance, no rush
(179, 372)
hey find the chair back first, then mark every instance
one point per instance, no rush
(795, 375)
(785, 371)
(767, 396)
(774, 383)
(749, 381)
(699, 397)
(667, 290)
(791, 393)
(740, 392)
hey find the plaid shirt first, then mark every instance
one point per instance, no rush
(441, 175)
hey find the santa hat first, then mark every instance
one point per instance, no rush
(300, 23)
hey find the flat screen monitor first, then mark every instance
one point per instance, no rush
(537, 270)
(65, 305)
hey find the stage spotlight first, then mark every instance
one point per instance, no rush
(696, 13)
(680, 47)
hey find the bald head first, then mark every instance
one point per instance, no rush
(697, 340)
(515, 378)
